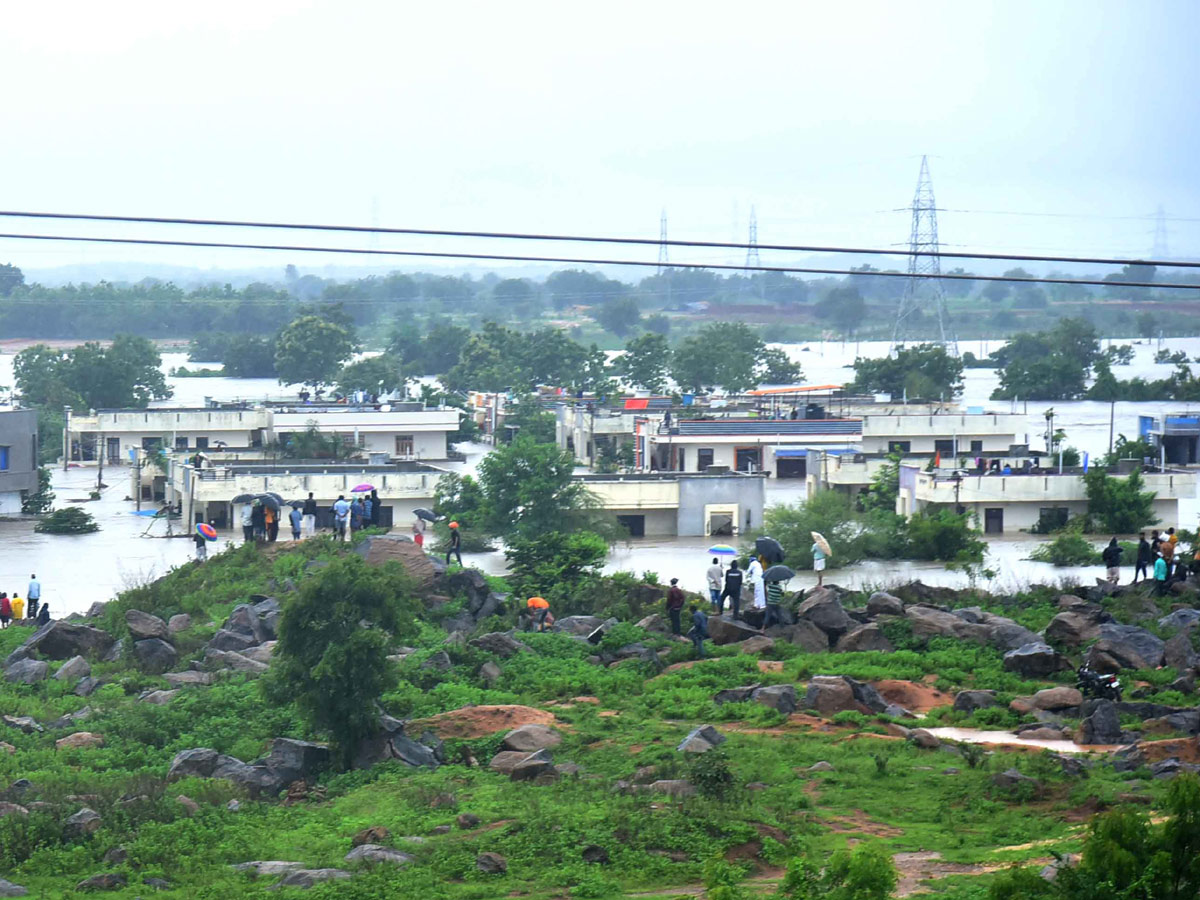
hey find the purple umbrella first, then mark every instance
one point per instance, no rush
(363, 488)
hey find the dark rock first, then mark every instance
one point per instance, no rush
(1011, 779)
(306, 878)
(75, 667)
(534, 765)
(491, 864)
(924, 739)
(580, 625)
(295, 760)
(154, 655)
(882, 603)
(1035, 660)
(928, 622)
(143, 625)
(803, 633)
(531, 737)
(500, 643)
(701, 739)
(376, 834)
(1180, 618)
(8, 889)
(1178, 652)
(467, 821)
(115, 652)
(506, 760)
(822, 607)
(1134, 647)
(594, 854)
(865, 637)
(1185, 684)
(27, 671)
(374, 854)
(780, 697)
(231, 640)
(105, 881)
(735, 695)
(438, 662)
(723, 630)
(198, 763)
(25, 724)
(1074, 627)
(62, 640)
(970, 701)
(178, 623)
(84, 822)
(244, 620)
(1102, 726)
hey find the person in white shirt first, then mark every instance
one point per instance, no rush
(754, 576)
(716, 580)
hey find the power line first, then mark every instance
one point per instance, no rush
(592, 239)
(587, 261)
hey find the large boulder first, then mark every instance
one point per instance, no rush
(1180, 618)
(500, 643)
(374, 854)
(306, 878)
(1073, 627)
(1130, 644)
(1102, 725)
(822, 607)
(735, 695)
(380, 549)
(882, 603)
(154, 655)
(970, 701)
(803, 633)
(829, 694)
(1178, 652)
(1056, 698)
(84, 822)
(62, 640)
(580, 626)
(143, 625)
(390, 742)
(701, 739)
(73, 668)
(781, 697)
(928, 622)
(1035, 660)
(8, 889)
(531, 737)
(723, 630)
(533, 766)
(225, 639)
(865, 637)
(760, 643)
(178, 623)
(229, 659)
(297, 759)
(244, 621)
(196, 763)
(80, 740)
(27, 671)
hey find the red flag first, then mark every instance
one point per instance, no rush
(937, 460)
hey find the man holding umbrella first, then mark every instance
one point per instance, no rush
(773, 577)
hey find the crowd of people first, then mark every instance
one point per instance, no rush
(1159, 559)
(261, 519)
(15, 610)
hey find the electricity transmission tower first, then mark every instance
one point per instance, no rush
(923, 287)
(663, 261)
(752, 250)
(1161, 250)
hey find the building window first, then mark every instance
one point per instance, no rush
(404, 445)
(943, 445)
(3, 459)
(201, 443)
(899, 446)
(976, 446)
(704, 458)
(151, 443)
(181, 443)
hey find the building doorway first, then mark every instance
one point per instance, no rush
(112, 450)
(635, 525)
(748, 459)
(993, 520)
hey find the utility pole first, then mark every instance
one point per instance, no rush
(924, 269)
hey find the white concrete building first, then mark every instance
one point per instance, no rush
(1004, 504)
(669, 504)
(406, 431)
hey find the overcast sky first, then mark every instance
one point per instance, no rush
(590, 118)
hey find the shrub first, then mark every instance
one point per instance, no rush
(1067, 549)
(711, 775)
(71, 520)
(864, 873)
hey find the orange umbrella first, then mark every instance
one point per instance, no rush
(538, 603)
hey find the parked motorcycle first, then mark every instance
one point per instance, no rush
(1093, 684)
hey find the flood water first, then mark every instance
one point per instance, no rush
(78, 570)
(1007, 738)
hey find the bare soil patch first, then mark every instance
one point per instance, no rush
(480, 721)
(915, 697)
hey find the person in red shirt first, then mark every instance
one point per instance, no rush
(675, 601)
(5, 610)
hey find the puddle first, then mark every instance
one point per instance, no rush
(1009, 739)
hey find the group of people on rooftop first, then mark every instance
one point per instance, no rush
(13, 609)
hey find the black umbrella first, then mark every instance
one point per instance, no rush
(269, 500)
(769, 549)
(244, 498)
(296, 504)
(778, 573)
(427, 514)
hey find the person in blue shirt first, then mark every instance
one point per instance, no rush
(296, 517)
(33, 595)
(699, 630)
(1160, 574)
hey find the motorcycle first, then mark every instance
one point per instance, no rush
(1093, 684)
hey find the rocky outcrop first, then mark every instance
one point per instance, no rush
(27, 671)
(822, 607)
(500, 643)
(701, 739)
(723, 630)
(1035, 660)
(1102, 725)
(491, 864)
(375, 854)
(154, 655)
(1178, 652)
(1129, 646)
(831, 694)
(143, 625)
(882, 603)
(531, 737)
(781, 697)
(582, 626)
(804, 634)
(865, 637)
(73, 668)
(970, 701)
(392, 743)
(62, 640)
(79, 740)
(84, 822)
(178, 623)
(306, 878)
(1076, 626)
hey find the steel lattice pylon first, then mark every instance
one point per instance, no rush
(663, 260)
(924, 268)
(752, 248)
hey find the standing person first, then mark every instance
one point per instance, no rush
(310, 516)
(18, 606)
(1166, 547)
(201, 546)
(733, 590)
(368, 509)
(699, 631)
(258, 516)
(774, 598)
(356, 515)
(1160, 574)
(1172, 538)
(1155, 540)
(43, 616)
(6, 611)
(297, 519)
(715, 576)
(341, 518)
(818, 556)
(418, 530)
(248, 522)
(271, 522)
(33, 594)
(455, 544)
(675, 601)
(1112, 560)
(375, 508)
(1142, 565)
(754, 577)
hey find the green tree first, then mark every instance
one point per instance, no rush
(774, 367)
(924, 370)
(554, 560)
(620, 315)
(39, 501)
(249, 356)
(1118, 505)
(375, 375)
(335, 634)
(885, 486)
(863, 873)
(11, 278)
(311, 350)
(1050, 365)
(726, 355)
(844, 307)
(646, 361)
(528, 490)
(526, 417)
(126, 373)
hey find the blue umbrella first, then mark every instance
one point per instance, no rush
(722, 550)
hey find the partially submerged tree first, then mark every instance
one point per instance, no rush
(311, 350)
